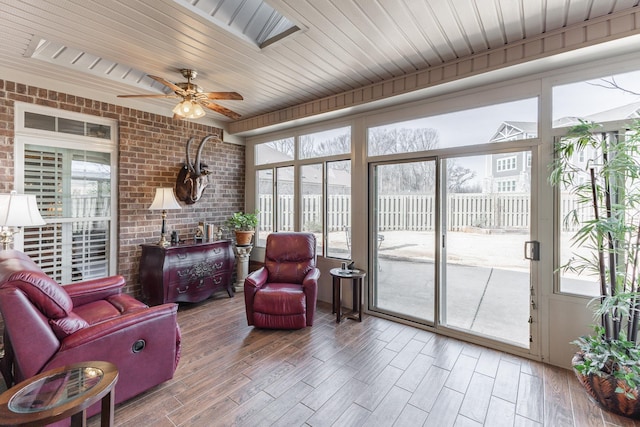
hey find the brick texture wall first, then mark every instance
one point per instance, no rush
(150, 153)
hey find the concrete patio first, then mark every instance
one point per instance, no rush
(487, 281)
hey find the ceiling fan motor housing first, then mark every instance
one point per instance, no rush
(190, 87)
(189, 74)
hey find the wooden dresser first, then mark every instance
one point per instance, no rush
(189, 272)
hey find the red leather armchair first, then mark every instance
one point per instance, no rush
(283, 293)
(47, 326)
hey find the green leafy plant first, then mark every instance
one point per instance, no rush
(609, 188)
(243, 221)
(618, 358)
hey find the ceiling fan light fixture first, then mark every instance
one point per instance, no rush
(198, 111)
(184, 108)
(188, 109)
(193, 98)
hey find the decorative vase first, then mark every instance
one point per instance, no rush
(243, 238)
(603, 390)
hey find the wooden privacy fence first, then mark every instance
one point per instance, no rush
(510, 211)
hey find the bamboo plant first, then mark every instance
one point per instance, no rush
(608, 187)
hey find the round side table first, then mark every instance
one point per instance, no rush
(61, 393)
(356, 276)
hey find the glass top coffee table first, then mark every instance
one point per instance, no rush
(61, 393)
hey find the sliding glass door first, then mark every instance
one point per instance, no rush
(485, 278)
(449, 250)
(404, 239)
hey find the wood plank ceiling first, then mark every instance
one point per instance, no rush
(343, 44)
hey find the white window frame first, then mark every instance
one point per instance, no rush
(28, 136)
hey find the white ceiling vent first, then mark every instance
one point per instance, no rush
(251, 20)
(76, 59)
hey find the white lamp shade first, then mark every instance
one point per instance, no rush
(189, 109)
(198, 111)
(184, 108)
(19, 210)
(164, 200)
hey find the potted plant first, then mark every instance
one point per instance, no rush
(608, 361)
(244, 224)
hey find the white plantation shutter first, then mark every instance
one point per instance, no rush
(73, 189)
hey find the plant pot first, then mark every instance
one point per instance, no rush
(243, 238)
(603, 390)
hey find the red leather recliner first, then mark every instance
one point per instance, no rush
(283, 293)
(47, 326)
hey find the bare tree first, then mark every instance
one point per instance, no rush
(311, 147)
(458, 178)
(413, 177)
(610, 83)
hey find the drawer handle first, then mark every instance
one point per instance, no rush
(183, 256)
(218, 265)
(183, 273)
(217, 280)
(217, 250)
(182, 291)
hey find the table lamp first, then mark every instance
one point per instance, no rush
(17, 211)
(164, 200)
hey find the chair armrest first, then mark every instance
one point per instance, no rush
(252, 283)
(99, 330)
(256, 279)
(311, 279)
(310, 288)
(87, 291)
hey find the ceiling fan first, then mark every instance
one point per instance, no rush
(193, 97)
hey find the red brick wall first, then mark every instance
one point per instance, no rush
(151, 152)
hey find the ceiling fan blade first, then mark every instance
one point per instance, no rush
(220, 109)
(149, 96)
(224, 95)
(168, 84)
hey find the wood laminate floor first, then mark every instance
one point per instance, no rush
(374, 373)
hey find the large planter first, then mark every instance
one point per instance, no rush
(603, 390)
(243, 238)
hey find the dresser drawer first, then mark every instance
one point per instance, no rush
(197, 290)
(194, 272)
(190, 292)
(184, 256)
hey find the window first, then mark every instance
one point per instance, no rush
(339, 209)
(572, 102)
(73, 189)
(576, 282)
(616, 95)
(68, 162)
(265, 206)
(62, 125)
(274, 151)
(507, 186)
(327, 143)
(506, 164)
(286, 208)
(311, 183)
(467, 127)
(323, 206)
